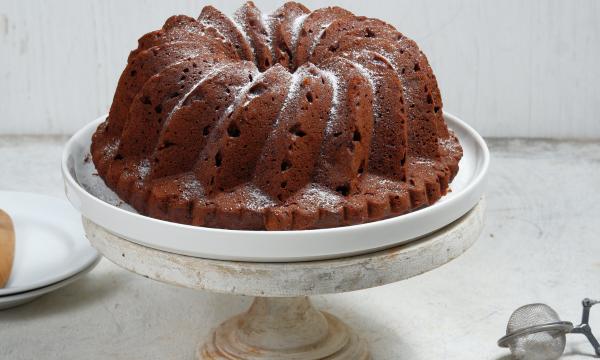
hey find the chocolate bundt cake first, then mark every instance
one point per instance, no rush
(295, 120)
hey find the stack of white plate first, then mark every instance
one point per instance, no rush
(51, 249)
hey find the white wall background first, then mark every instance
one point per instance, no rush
(527, 68)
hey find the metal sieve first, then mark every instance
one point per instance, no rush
(535, 332)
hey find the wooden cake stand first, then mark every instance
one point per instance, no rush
(281, 323)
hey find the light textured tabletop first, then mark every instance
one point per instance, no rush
(540, 244)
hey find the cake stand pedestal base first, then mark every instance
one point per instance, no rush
(283, 328)
(281, 323)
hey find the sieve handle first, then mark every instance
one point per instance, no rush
(584, 328)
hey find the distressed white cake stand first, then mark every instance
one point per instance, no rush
(282, 323)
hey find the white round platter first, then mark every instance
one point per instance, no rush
(95, 201)
(10, 301)
(50, 242)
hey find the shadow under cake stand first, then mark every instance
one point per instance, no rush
(281, 322)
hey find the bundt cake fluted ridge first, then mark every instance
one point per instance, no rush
(293, 120)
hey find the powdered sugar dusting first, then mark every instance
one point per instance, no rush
(241, 30)
(371, 78)
(295, 31)
(380, 184)
(87, 176)
(211, 74)
(366, 73)
(268, 23)
(242, 93)
(238, 23)
(422, 161)
(387, 56)
(450, 145)
(143, 168)
(191, 188)
(391, 60)
(238, 17)
(219, 27)
(111, 148)
(335, 101)
(215, 70)
(293, 92)
(317, 39)
(256, 199)
(321, 196)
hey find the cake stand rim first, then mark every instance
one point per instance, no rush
(100, 211)
(293, 279)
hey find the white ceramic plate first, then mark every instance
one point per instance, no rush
(50, 242)
(95, 201)
(10, 301)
